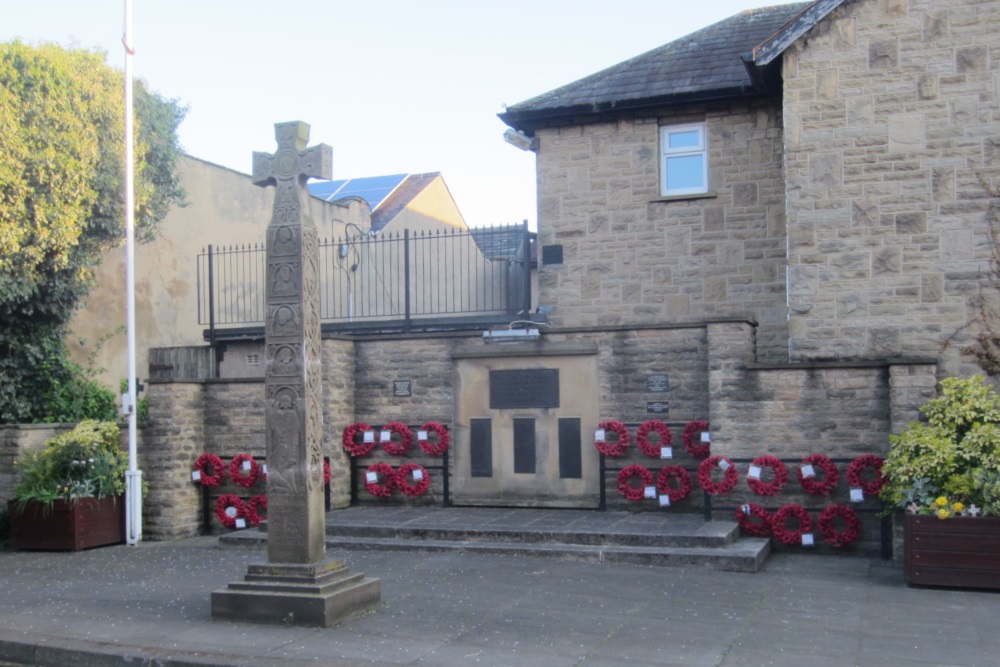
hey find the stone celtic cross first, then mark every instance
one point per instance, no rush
(289, 168)
(293, 382)
(299, 584)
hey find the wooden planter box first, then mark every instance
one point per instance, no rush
(962, 552)
(68, 526)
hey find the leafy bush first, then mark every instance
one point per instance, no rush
(955, 453)
(86, 462)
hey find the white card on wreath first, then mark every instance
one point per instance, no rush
(241, 523)
(706, 436)
(857, 495)
(246, 465)
(369, 436)
(807, 539)
(808, 472)
(264, 468)
(385, 436)
(196, 476)
(231, 512)
(421, 435)
(599, 435)
(371, 477)
(649, 492)
(754, 472)
(746, 509)
(666, 452)
(724, 464)
(664, 500)
(418, 474)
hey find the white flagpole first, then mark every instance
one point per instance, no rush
(133, 478)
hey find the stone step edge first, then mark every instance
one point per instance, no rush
(721, 536)
(745, 555)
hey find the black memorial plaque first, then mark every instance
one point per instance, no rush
(524, 445)
(527, 388)
(570, 448)
(658, 407)
(657, 382)
(402, 388)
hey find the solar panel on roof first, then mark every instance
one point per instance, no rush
(373, 189)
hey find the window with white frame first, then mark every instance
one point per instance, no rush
(684, 160)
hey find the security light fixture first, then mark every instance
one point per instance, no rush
(520, 140)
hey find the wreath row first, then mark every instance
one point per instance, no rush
(806, 475)
(757, 521)
(230, 509)
(411, 479)
(696, 439)
(243, 470)
(396, 439)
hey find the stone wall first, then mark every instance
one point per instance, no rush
(892, 111)
(17, 439)
(631, 256)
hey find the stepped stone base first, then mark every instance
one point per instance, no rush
(315, 595)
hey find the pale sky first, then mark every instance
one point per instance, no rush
(394, 86)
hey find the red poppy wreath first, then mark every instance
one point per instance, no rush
(202, 465)
(236, 471)
(350, 440)
(745, 516)
(830, 475)
(664, 487)
(228, 508)
(855, 470)
(772, 488)
(399, 448)
(728, 482)
(384, 472)
(694, 446)
(443, 439)
(642, 437)
(626, 475)
(618, 447)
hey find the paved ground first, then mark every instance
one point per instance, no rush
(149, 605)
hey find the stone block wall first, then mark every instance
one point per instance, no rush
(17, 439)
(631, 256)
(172, 441)
(892, 109)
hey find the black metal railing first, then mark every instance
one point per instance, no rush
(385, 278)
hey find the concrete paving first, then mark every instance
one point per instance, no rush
(149, 606)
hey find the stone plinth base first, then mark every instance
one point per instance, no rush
(317, 595)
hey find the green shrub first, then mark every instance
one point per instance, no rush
(955, 453)
(86, 462)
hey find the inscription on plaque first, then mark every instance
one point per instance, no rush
(657, 382)
(658, 407)
(402, 388)
(527, 388)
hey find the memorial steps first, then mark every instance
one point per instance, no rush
(647, 538)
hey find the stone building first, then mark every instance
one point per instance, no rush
(827, 169)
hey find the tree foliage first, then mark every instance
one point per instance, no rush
(62, 130)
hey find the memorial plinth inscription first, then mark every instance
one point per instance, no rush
(299, 584)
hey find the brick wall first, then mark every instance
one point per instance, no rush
(891, 118)
(631, 256)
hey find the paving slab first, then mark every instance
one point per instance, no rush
(149, 606)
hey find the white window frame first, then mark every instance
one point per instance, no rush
(667, 152)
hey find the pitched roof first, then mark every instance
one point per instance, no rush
(386, 195)
(702, 66)
(392, 205)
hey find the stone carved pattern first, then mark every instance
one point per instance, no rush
(313, 357)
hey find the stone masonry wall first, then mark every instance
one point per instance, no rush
(892, 113)
(631, 256)
(17, 439)
(173, 439)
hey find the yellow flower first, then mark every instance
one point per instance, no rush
(957, 507)
(943, 514)
(941, 502)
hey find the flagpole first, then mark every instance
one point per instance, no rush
(133, 477)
